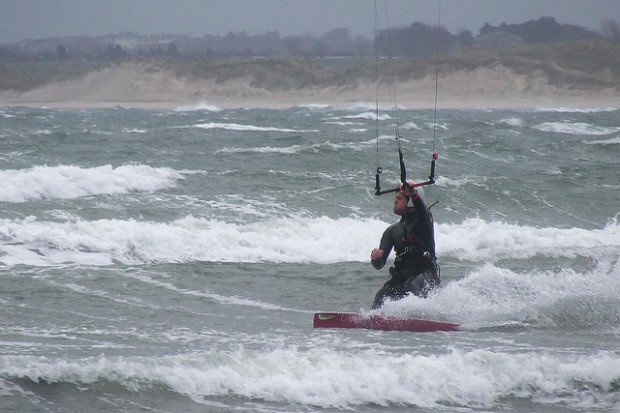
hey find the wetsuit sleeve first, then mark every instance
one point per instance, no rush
(424, 232)
(386, 245)
(422, 212)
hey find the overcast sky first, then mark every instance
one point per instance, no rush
(34, 19)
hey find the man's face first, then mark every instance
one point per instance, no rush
(400, 203)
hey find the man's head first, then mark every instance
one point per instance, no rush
(400, 203)
(401, 200)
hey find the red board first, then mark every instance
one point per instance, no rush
(380, 322)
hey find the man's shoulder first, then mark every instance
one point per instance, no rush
(395, 226)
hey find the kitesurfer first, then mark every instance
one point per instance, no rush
(415, 267)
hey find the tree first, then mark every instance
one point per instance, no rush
(465, 39)
(61, 52)
(338, 42)
(114, 53)
(486, 29)
(172, 50)
(611, 29)
(418, 40)
(545, 29)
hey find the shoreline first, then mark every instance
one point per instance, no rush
(215, 105)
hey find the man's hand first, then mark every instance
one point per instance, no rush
(376, 254)
(408, 190)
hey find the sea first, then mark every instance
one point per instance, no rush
(172, 261)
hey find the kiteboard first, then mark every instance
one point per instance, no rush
(380, 322)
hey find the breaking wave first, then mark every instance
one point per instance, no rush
(330, 378)
(67, 181)
(323, 240)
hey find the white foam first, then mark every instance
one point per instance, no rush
(491, 296)
(443, 126)
(328, 378)
(201, 106)
(321, 240)
(68, 181)
(578, 110)
(517, 122)
(133, 130)
(288, 239)
(369, 116)
(410, 126)
(576, 128)
(247, 128)
(612, 141)
(286, 150)
(476, 239)
(342, 123)
(362, 106)
(314, 106)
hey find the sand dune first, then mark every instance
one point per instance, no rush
(263, 83)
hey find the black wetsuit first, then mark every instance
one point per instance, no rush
(415, 268)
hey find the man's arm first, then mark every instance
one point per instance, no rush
(378, 256)
(421, 211)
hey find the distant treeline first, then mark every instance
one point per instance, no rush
(418, 40)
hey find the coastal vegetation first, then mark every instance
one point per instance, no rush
(583, 64)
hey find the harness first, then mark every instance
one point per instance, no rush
(413, 260)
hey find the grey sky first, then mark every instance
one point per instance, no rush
(23, 19)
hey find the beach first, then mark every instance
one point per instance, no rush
(134, 85)
(529, 77)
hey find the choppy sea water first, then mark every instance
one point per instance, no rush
(172, 261)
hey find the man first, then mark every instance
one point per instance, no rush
(415, 269)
